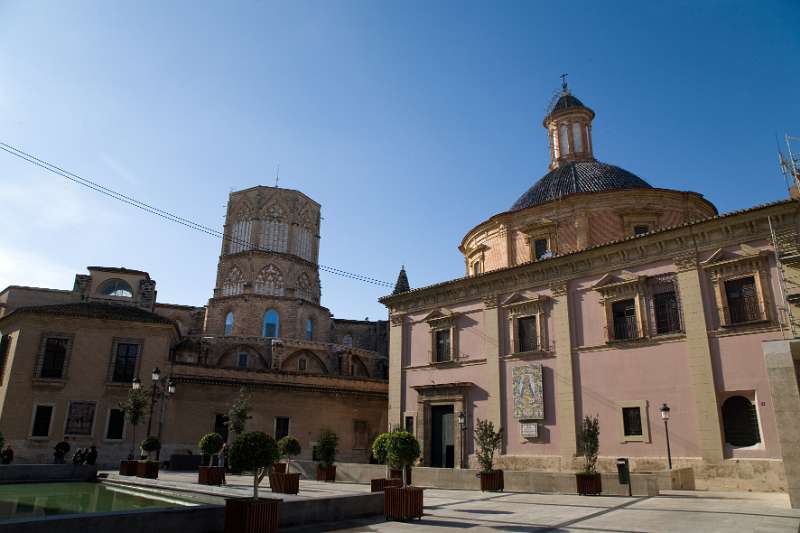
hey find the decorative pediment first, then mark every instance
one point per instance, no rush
(519, 305)
(440, 317)
(613, 285)
(476, 250)
(730, 262)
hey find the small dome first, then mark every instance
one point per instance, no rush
(566, 101)
(577, 177)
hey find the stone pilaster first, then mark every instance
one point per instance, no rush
(491, 347)
(396, 341)
(565, 393)
(700, 366)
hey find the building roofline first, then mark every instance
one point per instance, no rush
(255, 187)
(29, 288)
(120, 270)
(388, 299)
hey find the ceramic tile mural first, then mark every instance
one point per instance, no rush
(527, 392)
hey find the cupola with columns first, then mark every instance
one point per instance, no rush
(569, 129)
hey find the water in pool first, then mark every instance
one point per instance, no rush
(32, 500)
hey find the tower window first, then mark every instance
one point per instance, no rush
(540, 249)
(229, 323)
(563, 139)
(271, 324)
(577, 136)
(309, 330)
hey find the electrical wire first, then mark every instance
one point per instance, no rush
(166, 215)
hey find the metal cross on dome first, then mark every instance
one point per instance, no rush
(564, 82)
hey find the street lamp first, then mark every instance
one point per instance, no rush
(462, 423)
(155, 375)
(136, 384)
(665, 417)
(167, 393)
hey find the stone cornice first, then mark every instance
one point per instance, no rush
(678, 243)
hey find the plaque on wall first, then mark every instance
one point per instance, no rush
(529, 429)
(527, 392)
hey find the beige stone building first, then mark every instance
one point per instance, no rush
(68, 357)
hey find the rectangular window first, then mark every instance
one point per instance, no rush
(281, 427)
(577, 136)
(55, 355)
(632, 421)
(80, 419)
(443, 345)
(243, 360)
(527, 334)
(476, 268)
(563, 140)
(665, 309)
(742, 297)
(221, 425)
(640, 229)
(5, 346)
(540, 249)
(301, 364)
(116, 424)
(41, 421)
(409, 425)
(360, 435)
(624, 315)
(125, 362)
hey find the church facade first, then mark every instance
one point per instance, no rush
(597, 294)
(69, 357)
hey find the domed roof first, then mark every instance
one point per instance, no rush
(566, 101)
(579, 176)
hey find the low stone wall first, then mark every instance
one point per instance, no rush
(16, 473)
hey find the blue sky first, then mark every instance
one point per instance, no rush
(410, 122)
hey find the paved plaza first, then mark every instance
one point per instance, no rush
(459, 510)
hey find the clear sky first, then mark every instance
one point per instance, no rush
(409, 122)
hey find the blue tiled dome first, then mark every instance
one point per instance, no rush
(577, 177)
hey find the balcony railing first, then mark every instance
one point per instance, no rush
(744, 310)
(625, 328)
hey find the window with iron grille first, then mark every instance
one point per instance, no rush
(624, 316)
(740, 422)
(664, 305)
(125, 362)
(527, 334)
(80, 419)
(54, 358)
(632, 421)
(743, 305)
(443, 345)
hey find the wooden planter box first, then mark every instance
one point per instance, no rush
(246, 515)
(211, 475)
(396, 473)
(589, 484)
(402, 503)
(147, 469)
(326, 473)
(492, 481)
(279, 468)
(284, 483)
(377, 485)
(128, 468)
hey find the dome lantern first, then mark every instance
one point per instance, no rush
(569, 129)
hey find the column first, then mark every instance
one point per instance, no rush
(565, 393)
(396, 337)
(700, 368)
(491, 347)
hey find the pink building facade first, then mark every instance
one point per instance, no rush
(600, 295)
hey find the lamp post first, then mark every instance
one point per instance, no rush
(462, 424)
(155, 375)
(167, 393)
(665, 417)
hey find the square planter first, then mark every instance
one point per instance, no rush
(279, 468)
(211, 475)
(377, 485)
(128, 468)
(326, 473)
(397, 473)
(492, 481)
(246, 515)
(589, 484)
(147, 469)
(402, 503)
(284, 483)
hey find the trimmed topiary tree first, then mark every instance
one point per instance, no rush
(254, 451)
(488, 441)
(211, 444)
(590, 443)
(327, 447)
(150, 445)
(379, 448)
(289, 447)
(402, 450)
(134, 407)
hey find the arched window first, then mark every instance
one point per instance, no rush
(269, 281)
(271, 324)
(309, 330)
(116, 287)
(274, 230)
(229, 323)
(234, 283)
(740, 420)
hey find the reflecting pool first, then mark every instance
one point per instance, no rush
(32, 500)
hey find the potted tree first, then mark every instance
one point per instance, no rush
(589, 480)
(134, 407)
(282, 481)
(238, 415)
(256, 452)
(147, 467)
(380, 453)
(211, 444)
(402, 503)
(488, 441)
(326, 451)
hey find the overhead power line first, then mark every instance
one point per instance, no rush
(166, 215)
